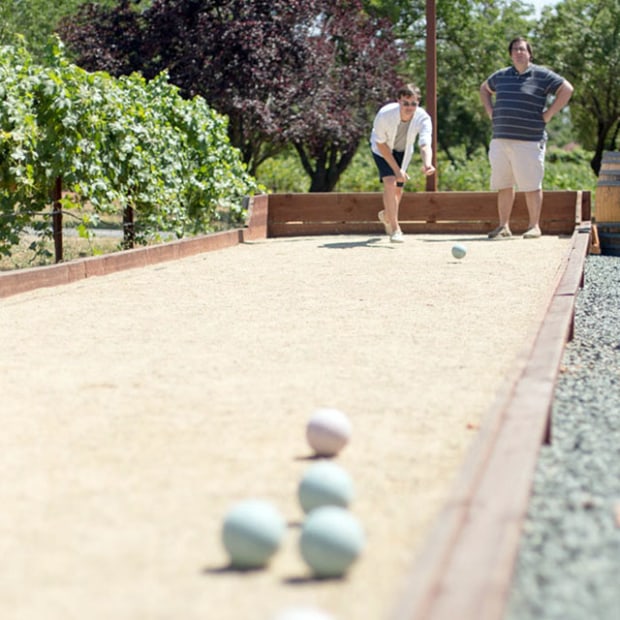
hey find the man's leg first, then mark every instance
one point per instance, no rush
(502, 180)
(399, 195)
(529, 166)
(534, 206)
(391, 200)
(505, 201)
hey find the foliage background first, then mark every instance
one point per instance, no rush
(316, 120)
(577, 38)
(116, 144)
(567, 167)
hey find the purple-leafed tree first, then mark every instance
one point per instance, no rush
(307, 73)
(350, 72)
(243, 57)
(104, 38)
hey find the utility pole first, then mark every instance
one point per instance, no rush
(431, 83)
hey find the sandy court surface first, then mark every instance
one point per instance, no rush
(138, 407)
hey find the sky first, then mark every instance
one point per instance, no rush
(539, 4)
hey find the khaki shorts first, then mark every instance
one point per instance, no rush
(517, 162)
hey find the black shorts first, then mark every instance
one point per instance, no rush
(383, 166)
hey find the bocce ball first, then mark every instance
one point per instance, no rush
(303, 613)
(328, 431)
(325, 484)
(331, 540)
(459, 250)
(253, 531)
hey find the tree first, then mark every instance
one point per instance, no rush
(472, 40)
(350, 73)
(116, 144)
(306, 72)
(243, 57)
(107, 39)
(35, 20)
(583, 38)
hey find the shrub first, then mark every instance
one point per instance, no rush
(565, 169)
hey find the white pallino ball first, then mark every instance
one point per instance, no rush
(328, 431)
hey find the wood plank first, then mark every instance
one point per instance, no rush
(23, 280)
(291, 229)
(469, 204)
(595, 244)
(573, 278)
(376, 229)
(127, 259)
(200, 244)
(20, 281)
(465, 569)
(316, 211)
(257, 218)
(586, 206)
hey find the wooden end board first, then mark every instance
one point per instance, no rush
(420, 212)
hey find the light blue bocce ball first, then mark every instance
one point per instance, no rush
(331, 540)
(253, 531)
(459, 250)
(325, 484)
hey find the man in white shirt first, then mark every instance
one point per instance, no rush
(394, 132)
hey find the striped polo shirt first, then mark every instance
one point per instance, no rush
(520, 100)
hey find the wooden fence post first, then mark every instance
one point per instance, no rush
(57, 218)
(129, 232)
(431, 84)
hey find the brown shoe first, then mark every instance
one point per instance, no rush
(501, 232)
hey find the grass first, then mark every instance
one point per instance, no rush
(23, 256)
(33, 251)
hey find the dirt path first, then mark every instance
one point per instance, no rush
(138, 407)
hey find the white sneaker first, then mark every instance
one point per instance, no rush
(532, 233)
(388, 228)
(397, 237)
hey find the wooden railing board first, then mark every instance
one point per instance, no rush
(430, 212)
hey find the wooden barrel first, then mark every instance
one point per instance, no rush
(607, 206)
(609, 237)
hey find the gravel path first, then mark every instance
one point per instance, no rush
(569, 564)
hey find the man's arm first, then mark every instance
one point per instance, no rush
(562, 97)
(426, 152)
(486, 96)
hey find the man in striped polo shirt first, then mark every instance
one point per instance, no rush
(517, 150)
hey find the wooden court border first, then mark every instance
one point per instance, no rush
(464, 569)
(277, 215)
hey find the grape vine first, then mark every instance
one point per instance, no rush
(116, 143)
